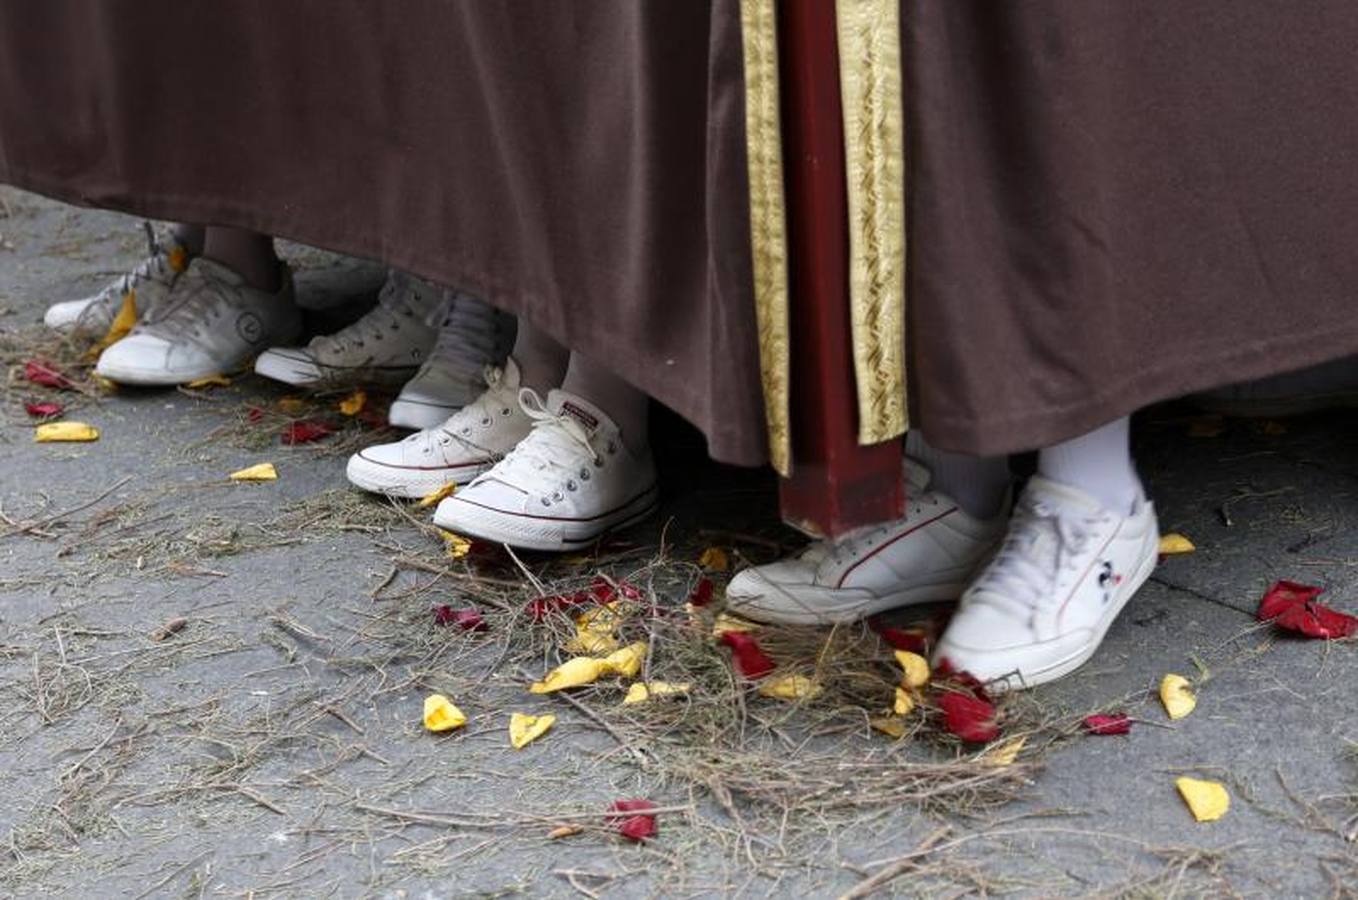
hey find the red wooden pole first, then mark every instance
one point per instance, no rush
(836, 484)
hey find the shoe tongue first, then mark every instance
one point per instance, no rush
(917, 477)
(510, 377)
(1063, 497)
(211, 270)
(572, 406)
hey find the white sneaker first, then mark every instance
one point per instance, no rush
(147, 285)
(928, 556)
(471, 336)
(388, 344)
(472, 440)
(210, 323)
(1040, 609)
(569, 481)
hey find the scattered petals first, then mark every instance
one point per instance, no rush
(441, 715)
(169, 629)
(1113, 723)
(353, 404)
(1207, 800)
(291, 406)
(466, 619)
(118, 329)
(969, 717)
(750, 659)
(1173, 544)
(891, 726)
(455, 545)
(576, 672)
(714, 559)
(791, 687)
(436, 497)
(1003, 754)
(912, 639)
(606, 591)
(524, 729)
(209, 382)
(307, 431)
(596, 630)
(564, 831)
(626, 662)
(540, 608)
(726, 623)
(44, 373)
(107, 385)
(44, 410)
(702, 593)
(642, 691)
(260, 472)
(65, 431)
(634, 827)
(1176, 694)
(905, 702)
(254, 414)
(916, 668)
(1293, 607)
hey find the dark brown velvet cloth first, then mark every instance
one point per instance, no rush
(1112, 202)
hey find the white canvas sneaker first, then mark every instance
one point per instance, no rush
(1040, 609)
(569, 481)
(927, 556)
(386, 345)
(472, 440)
(146, 285)
(471, 335)
(210, 323)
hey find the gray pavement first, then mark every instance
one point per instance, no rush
(273, 745)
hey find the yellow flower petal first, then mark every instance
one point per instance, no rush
(1207, 800)
(107, 385)
(209, 381)
(437, 496)
(178, 258)
(292, 405)
(455, 545)
(441, 715)
(1176, 693)
(791, 687)
(641, 691)
(916, 668)
(1003, 754)
(122, 323)
(590, 641)
(353, 404)
(726, 622)
(65, 431)
(891, 726)
(627, 661)
(1174, 543)
(524, 729)
(260, 472)
(905, 704)
(714, 559)
(573, 673)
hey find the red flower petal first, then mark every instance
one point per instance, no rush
(1116, 723)
(41, 372)
(750, 659)
(702, 593)
(254, 414)
(466, 619)
(44, 410)
(306, 431)
(605, 592)
(913, 639)
(634, 828)
(1283, 596)
(944, 671)
(542, 607)
(969, 717)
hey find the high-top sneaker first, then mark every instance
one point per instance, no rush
(210, 323)
(386, 345)
(569, 481)
(471, 336)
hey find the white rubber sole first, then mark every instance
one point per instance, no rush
(816, 611)
(540, 532)
(301, 372)
(409, 484)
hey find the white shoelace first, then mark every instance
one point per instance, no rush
(156, 266)
(400, 301)
(495, 401)
(557, 453)
(852, 545)
(1043, 541)
(195, 302)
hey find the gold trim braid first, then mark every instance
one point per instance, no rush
(768, 232)
(870, 79)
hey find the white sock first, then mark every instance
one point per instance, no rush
(1098, 463)
(977, 483)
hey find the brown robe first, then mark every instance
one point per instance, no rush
(1110, 202)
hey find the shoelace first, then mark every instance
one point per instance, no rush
(556, 453)
(468, 334)
(850, 546)
(156, 265)
(196, 300)
(1042, 542)
(481, 412)
(399, 301)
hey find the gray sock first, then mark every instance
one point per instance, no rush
(977, 483)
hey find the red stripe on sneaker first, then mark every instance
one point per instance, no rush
(903, 534)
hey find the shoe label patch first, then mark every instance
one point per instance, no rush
(249, 327)
(1108, 581)
(570, 409)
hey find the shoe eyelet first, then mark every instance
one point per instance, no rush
(546, 501)
(612, 448)
(598, 464)
(466, 431)
(506, 411)
(558, 496)
(584, 475)
(571, 485)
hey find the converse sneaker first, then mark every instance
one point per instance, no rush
(1040, 609)
(471, 336)
(388, 344)
(569, 481)
(471, 441)
(145, 286)
(212, 322)
(927, 556)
